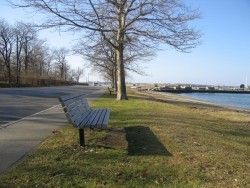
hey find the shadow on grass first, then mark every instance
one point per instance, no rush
(143, 142)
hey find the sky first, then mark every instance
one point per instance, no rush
(223, 58)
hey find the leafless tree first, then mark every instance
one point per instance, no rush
(102, 57)
(60, 60)
(77, 73)
(29, 37)
(7, 40)
(148, 21)
(37, 58)
(24, 55)
(49, 59)
(24, 35)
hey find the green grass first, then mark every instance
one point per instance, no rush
(151, 142)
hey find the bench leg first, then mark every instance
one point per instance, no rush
(81, 136)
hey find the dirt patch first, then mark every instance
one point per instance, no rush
(116, 138)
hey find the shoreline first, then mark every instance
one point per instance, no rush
(178, 91)
(178, 97)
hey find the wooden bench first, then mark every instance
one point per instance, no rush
(81, 116)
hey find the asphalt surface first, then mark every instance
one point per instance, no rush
(17, 103)
(24, 126)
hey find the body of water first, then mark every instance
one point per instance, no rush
(235, 100)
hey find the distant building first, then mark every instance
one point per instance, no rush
(195, 88)
(211, 88)
(203, 88)
(188, 88)
(181, 87)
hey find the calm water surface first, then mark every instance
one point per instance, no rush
(236, 100)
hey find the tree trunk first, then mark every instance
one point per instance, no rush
(62, 71)
(9, 74)
(121, 84)
(17, 61)
(26, 55)
(65, 71)
(115, 78)
(19, 47)
(112, 78)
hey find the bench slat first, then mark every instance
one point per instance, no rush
(98, 116)
(76, 103)
(78, 121)
(106, 118)
(71, 96)
(71, 104)
(92, 118)
(85, 120)
(99, 123)
(78, 110)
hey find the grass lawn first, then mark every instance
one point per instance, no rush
(151, 141)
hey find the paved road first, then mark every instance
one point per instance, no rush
(17, 103)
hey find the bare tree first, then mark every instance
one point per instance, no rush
(24, 55)
(37, 58)
(29, 37)
(19, 46)
(7, 40)
(148, 21)
(102, 58)
(60, 60)
(78, 73)
(24, 34)
(49, 59)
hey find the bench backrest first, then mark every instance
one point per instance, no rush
(74, 106)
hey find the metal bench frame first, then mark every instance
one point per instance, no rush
(81, 116)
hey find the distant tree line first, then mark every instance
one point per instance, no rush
(24, 58)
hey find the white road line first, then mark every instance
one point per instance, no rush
(13, 122)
